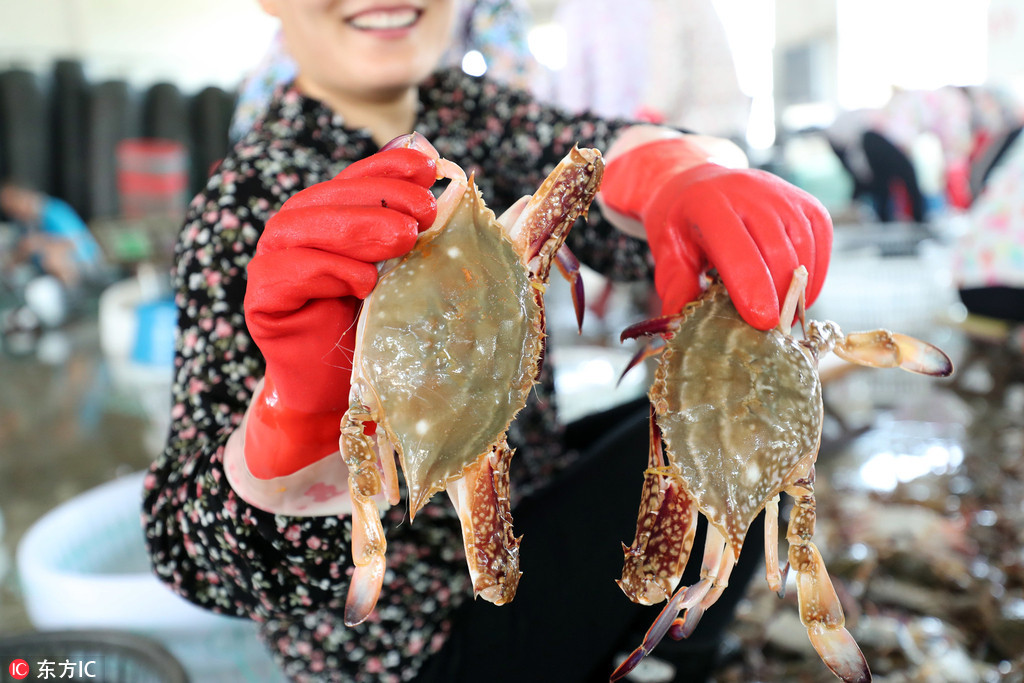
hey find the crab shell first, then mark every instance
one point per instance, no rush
(740, 411)
(449, 341)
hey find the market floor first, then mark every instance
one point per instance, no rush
(65, 427)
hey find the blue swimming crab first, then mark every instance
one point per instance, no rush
(448, 347)
(736, 419)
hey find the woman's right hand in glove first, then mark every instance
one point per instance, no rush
(314, 263)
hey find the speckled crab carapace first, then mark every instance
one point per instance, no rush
(448, 347)
(736, 419)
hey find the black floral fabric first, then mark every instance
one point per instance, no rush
(290, 574)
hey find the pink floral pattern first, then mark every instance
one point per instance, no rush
(991, 252)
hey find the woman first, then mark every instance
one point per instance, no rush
(365, 75)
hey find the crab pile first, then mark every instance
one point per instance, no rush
(931, 570)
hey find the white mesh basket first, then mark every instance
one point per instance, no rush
(910, 291)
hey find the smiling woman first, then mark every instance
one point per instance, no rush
(278, 254)
(364, 58)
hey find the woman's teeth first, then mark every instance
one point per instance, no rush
(385, 19)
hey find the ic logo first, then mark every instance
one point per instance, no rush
(19, 669)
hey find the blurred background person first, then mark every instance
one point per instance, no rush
(663, 61)
(923, 150)
(989, 258)
(53, 257)
(53, 237)
(876, 147)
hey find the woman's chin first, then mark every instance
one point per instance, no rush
(402, 75)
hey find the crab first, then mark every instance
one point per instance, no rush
(448, 347)
(736, 420)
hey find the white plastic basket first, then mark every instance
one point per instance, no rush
(83, 565)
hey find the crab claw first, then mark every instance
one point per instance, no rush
(884, 349)
(481, 499)
(569, 266)
(839, 651)
(553, 209)
(666, 522)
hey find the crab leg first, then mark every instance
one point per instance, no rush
(776, 578)
(719, 560)
(717, 565)
(878, 349)
(665, 324)
(647, 350)
(684, 598)
(665, 526)
(389, 470)
(368, 542)
(794, 303)
(820, 610)
(480, 497)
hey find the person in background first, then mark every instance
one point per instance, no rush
(54, 238)
(664, 61)
(268, 294)
(988, 262)
(497, 29)
(997, 121)
(52, 259)
(275, 68)
(883, 149)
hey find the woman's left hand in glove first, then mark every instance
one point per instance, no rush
(751, 226)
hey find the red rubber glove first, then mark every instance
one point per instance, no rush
(313, 265)
(750, 225)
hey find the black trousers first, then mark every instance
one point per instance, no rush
(888, 163)
(1006, 303)
(569, 618)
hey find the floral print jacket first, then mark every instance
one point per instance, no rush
(290, 573)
